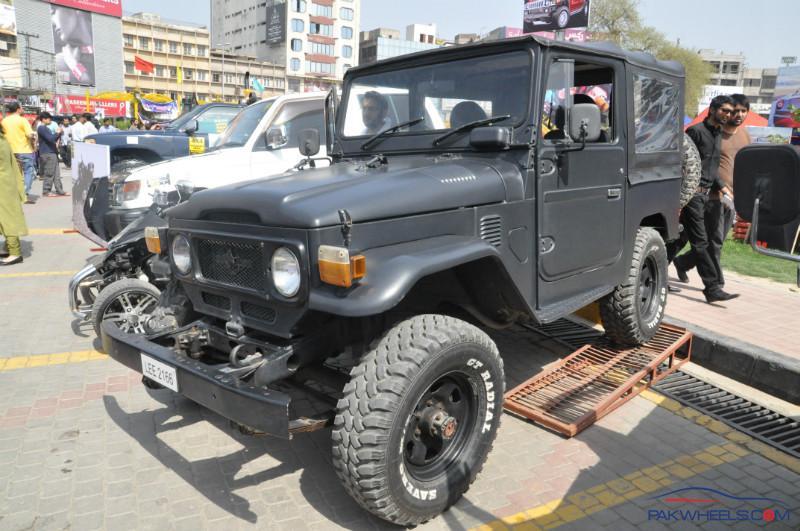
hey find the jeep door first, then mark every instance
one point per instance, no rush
(581, 192)
(276, 148)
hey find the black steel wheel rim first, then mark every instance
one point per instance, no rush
(648, 288)
(427, 452)
(128, 311)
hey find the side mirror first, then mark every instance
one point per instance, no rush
(275, 137)
(308, 142)
(584, 122)
(185, 190)
(766, 180)
(192, 128)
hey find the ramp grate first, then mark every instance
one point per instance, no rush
(757, 421)
(572, 394)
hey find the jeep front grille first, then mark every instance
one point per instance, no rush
(218, 301)
(254, 311)
(234, 263)
(492, 229)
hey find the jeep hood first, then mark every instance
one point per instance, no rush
(312, 198)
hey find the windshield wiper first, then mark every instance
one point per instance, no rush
(471, 125)
(386, 132)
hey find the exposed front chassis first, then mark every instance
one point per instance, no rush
(238, 392)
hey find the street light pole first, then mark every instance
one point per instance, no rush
(223, 45)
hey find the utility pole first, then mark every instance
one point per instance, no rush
(28, 54)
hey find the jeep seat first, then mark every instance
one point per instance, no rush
(466, 112)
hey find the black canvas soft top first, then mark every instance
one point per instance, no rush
(599, 48)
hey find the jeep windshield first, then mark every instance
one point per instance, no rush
(447, 95)
(242, 127)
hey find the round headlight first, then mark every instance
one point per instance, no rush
(286, 272)
(181, 254)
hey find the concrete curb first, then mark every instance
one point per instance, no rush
(771, 372)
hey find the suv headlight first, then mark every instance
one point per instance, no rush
(182, 254)
(128, 191)
(285, 272)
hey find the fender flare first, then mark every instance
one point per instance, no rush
(392, 271)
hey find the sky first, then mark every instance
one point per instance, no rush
(763, 35)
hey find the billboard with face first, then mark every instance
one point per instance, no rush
(73, 45)
(552, 15)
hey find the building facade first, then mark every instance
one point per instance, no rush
(726, 69)
(184, 63)
(759, 87)
(315, 40)
(45, 30)
(383, 43)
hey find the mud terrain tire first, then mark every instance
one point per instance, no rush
(418, 418)
(632, 313)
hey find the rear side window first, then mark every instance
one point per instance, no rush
(656, 115)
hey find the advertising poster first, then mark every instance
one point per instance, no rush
(786, 107)
(769, 135)
(10, 71)
(73, 44)
(276, 22)
(104, 7)
(712, 91)
(89, 162)
(553, 15)
(77, 105)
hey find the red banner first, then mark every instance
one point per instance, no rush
(77, 105)
(142, 65)
(105, 7)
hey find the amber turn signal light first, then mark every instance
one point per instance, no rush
(152, 240)
(338, 268)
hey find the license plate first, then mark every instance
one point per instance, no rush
(160, 372)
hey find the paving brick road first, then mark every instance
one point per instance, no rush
(83, 445)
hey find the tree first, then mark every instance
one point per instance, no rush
(619, 21)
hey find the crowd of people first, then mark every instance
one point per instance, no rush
(710, 214)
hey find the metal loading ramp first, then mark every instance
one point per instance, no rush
(573, 393)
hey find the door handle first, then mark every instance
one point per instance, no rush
(614, 193)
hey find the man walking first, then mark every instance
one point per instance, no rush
(734, 138)
(66, 143)
(699, 221)
(20, 136)
(48, 158)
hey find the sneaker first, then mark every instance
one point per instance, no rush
(682, 276)
(11, 260)
(720, 296)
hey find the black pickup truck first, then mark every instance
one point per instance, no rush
(192, 132)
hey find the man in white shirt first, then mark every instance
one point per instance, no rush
(83, 128)
(107, 127)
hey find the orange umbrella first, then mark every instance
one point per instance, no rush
(752, 119)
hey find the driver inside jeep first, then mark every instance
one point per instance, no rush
(374, 109)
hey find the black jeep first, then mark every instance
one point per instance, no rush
(494, 183)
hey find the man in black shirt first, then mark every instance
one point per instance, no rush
(699, 221)
(48, 157)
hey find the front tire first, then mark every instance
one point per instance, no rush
(418, 418)
(632, 313)
(562, 18)
(128, 303)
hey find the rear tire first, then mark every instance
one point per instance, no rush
(562, 18)
(418, 418)
(632, 313)
(128, 302)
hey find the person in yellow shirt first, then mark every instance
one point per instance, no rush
(20, 136)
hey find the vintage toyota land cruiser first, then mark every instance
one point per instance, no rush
(495, 183)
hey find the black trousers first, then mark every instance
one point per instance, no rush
(701, 220)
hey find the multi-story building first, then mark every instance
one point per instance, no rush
(184, 64)
(68, 50)
(726, 69)
(315, 40)
(382, 43)
(759, 87)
